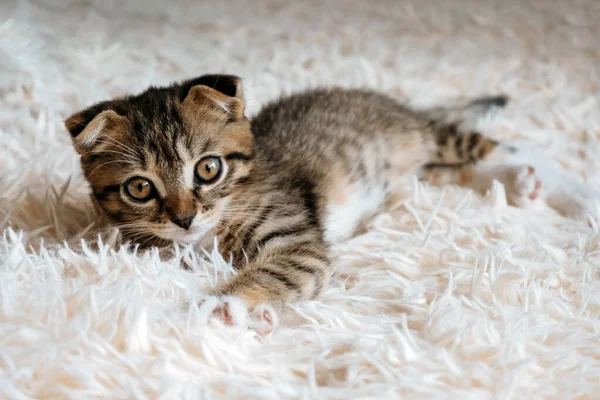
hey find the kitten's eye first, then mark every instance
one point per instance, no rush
(139, 189)
(208, 169)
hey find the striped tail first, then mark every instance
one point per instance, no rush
(457, 141)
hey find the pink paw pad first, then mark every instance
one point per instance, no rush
(537, 183)
(231, 311)
(523, 185)
(263, 320)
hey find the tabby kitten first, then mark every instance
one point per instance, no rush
(183, 163)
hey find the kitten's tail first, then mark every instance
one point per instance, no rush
(467, 114)
(455, 130)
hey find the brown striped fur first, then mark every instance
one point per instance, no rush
(285, 172)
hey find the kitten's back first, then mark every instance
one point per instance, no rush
(350, 143)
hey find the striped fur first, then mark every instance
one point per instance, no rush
(298, 177)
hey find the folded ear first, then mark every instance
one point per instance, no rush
(88, 126)
(219, 92)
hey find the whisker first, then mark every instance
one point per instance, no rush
(126, 156)
(103, 164)
(120, 145)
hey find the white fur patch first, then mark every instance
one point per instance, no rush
(342, 219)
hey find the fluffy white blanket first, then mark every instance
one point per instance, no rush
(443, 294)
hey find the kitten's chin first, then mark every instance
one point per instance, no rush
(184, 237)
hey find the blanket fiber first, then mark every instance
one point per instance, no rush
(443, 294)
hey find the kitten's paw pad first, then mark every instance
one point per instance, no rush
(228, 310)
(263, 319)
(232, 311)
(523, 186)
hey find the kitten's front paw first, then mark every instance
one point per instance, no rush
(232, 311)
(263, 319)
(522, 186)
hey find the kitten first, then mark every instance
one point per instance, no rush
(182, 163)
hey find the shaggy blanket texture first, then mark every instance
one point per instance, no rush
(443, 294)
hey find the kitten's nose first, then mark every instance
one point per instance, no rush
(184, 222)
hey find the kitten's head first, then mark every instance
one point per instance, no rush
(165, 162)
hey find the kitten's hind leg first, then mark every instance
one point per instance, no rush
(522, 184)
(466, 157)
(529, 179)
